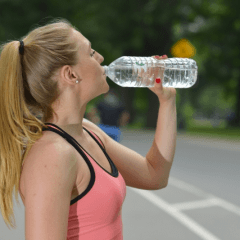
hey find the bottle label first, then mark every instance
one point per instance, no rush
(140, 64)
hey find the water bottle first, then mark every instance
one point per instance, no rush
(142, 72)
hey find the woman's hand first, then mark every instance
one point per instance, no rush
(164, 94)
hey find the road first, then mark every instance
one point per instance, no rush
(201, 201)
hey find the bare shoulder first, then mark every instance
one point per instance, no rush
(50, 149)
(53, 140)
(49, 180)
(50, 137)
(89, 124)
(49, 146)
(97, 130)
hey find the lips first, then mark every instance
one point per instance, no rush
(104, 71)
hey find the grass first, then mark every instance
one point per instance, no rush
(219, 130)
(228, 134)
(197, 128)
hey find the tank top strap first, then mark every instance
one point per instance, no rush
(52, 125)
(96, 138)
(72, 141)
(75, 144)
(66, 136)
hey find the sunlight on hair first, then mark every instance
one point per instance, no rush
(28, 89)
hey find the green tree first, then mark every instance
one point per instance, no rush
(214, 28)
(146, 28)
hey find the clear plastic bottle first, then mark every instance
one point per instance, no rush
(142, 72)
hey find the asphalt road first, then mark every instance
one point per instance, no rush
(201, 201)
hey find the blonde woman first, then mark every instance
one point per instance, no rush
(71, 176)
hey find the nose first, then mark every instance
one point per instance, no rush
(101, 58)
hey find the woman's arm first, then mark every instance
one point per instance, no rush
(162, 152)
(50, 177)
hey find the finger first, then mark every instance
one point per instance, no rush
(157, 56)
(160, 57)
(158, 89)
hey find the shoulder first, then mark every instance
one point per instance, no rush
(46, 152)
(50, 151)
(91, 126)
(49, 179)
(47, 144)
(95, 129)
(54, 140)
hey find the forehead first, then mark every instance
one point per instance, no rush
(83, 42)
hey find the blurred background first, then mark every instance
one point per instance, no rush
(207, 31)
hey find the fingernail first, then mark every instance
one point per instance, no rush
(164, 55)
(157, 57)
(158, 80)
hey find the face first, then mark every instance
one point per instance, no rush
(89, 68)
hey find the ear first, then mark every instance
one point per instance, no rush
(69, 74)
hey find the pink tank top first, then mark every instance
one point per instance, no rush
(96, 214)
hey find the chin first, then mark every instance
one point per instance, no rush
(107, 88)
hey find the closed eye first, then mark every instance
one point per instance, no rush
(92, 53)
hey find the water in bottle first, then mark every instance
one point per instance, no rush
(142, 72)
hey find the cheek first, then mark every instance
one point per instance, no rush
(91, 70)
(95, 72)
(88, 72)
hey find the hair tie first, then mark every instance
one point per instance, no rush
(21, 47)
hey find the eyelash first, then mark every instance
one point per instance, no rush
(92, 53)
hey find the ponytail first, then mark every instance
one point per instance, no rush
(28, 89)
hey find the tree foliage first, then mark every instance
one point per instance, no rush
(146, 28)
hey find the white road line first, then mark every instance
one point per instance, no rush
(189, 188)
(194, 190)
(196, 204)
(182, 218)
(207, 203)
(175, 209)
(228, 206)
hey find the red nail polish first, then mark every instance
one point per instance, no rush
(158, 80)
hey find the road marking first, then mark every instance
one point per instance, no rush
(188, 187)
(194, 190)
(228, 206)
(196, 204)
(175, 209)
(182, 218)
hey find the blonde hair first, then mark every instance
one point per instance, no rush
(28, 88)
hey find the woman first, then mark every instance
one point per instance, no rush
(71, 176)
